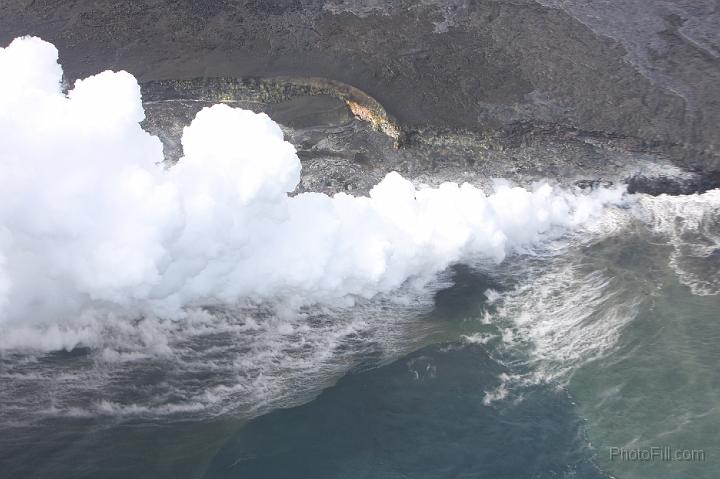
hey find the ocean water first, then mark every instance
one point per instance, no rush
(540, 366)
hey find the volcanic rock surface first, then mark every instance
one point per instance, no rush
(570, 88)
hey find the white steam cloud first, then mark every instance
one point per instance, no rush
(90, 220)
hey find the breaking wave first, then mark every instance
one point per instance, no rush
(691, 225)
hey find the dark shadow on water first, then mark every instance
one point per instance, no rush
(466, 297)
(420, 417)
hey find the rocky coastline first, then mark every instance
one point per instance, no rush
(570, 90)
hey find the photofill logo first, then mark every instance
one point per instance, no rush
(656, 453)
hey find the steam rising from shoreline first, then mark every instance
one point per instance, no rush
(91, 223)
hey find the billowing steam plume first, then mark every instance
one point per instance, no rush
(91, 221)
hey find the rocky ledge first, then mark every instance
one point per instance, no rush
(347, 141)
